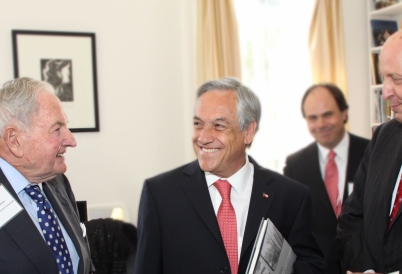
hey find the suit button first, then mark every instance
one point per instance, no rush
(224, 269)
(388, 269)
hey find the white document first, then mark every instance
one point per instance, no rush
(9, 207)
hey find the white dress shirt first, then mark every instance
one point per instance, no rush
(19, 182)
(398, 179)
(242, 185)
(341, 161)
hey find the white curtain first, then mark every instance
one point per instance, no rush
(327, 45)
(276, 66)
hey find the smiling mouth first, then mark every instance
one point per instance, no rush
(394, 107)
(325, 130)
(209, 150)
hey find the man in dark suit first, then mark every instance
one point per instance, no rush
(40, 230)
(369, 230)
(325, 109)
(180, 223)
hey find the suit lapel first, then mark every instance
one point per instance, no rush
(27, 237)
(259, 205)
(382, 167)
(197, 191)
(393, 176)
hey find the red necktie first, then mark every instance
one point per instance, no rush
(227, 223)
(397, 203)
(331, 182)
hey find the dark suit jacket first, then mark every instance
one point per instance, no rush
(363, 238)
(179, 232)
(303, 166)
(22, 247)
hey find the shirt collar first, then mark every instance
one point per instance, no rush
(14, 177)
(238, 180)
(341, 149)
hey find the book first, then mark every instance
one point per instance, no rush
(377, 106)
(382, 108)
(271, 254)
(381, 30)
(375, 69)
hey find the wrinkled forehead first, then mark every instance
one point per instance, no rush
(50, 105)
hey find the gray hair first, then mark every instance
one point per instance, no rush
(19, 102)
(248, 106)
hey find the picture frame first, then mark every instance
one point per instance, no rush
(66, 60)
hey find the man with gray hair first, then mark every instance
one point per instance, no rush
(39, 223)
(203, 217)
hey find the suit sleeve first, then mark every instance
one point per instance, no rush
(149, 250)
(350, 237)
(309, 257)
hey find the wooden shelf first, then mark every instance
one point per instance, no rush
(375, 49)
(375, 86)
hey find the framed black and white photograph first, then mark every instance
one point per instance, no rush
(66, 60)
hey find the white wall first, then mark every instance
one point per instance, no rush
(146, 80)
(146, 85)
(356, 40)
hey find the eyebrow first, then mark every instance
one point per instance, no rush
(317, 115)
(59, 123)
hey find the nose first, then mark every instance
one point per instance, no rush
(69, 140)
(205, 136)
(320, 122)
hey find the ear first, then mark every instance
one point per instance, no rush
(250, 132)
(345, 116)
(12, 137)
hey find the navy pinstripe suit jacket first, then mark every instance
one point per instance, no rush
(364, 240)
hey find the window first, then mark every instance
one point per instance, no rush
(276, 66)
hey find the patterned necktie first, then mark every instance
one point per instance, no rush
(397, 203)
(331, 182)
(51, 230)
(227, 223)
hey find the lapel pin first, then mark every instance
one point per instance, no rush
(264, 195)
